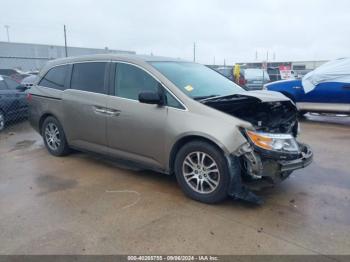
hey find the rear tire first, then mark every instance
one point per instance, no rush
(202, 172)
(54, 137)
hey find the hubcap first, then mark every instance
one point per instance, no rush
(52, 136)
(2, 121)
(201, 172)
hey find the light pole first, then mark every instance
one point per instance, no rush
(7, 31)
(65, 40)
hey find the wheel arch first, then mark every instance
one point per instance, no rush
(186, 139)
(42, 119)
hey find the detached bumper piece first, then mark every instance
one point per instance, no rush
(260, 169)
(303, 161)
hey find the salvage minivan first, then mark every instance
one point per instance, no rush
(171, 116)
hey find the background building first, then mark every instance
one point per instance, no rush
(28, 57)
(294, 65)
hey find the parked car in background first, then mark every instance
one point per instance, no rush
(255, 78)
(228, 72)
(274, 74)
(35, 72)
(19, 77)
(15, 74)
(324, 90)
(29, 80)
(8, 72)
(172, 116)
(13, 104)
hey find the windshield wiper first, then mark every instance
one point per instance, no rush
(204, 97)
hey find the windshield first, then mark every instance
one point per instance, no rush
(225, 71)
(197, 81)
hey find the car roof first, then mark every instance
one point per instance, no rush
(107, 57)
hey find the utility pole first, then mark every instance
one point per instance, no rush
(65, 40)
(214, 60)
(224, 62)
(194, 52)
(7, 31)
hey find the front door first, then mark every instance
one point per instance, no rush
(135, 130)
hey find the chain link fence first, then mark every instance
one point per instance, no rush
(13, 102)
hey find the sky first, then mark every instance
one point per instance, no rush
(232, 30)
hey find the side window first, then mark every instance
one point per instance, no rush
(131, 80)
(55, 78)
(172, 102)
(89, 77)
(11, 84)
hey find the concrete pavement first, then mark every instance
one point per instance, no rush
(83, 204)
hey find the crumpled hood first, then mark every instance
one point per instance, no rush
(267, 96)
(267, 111)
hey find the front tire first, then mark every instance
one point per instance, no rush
(202, 172)
(54, 137)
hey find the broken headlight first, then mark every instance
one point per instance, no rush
(275, 142)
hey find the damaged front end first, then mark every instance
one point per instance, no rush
(271, 152)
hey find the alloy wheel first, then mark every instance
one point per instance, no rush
(52, 136)
(201, 172)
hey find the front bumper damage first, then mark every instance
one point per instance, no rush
(253, 169)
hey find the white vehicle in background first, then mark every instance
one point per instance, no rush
(324, 90)
(29, 80)
(255, 78)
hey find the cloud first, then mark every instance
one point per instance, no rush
(231, 30)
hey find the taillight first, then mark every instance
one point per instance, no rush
(29, 97)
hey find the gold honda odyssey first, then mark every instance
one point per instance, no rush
(171, 116)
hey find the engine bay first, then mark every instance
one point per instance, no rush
(272, 117)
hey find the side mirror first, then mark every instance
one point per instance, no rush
(21, 88)
(150, 97)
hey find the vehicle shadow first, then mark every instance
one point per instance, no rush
(159, 182)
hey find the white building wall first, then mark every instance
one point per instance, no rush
(34, 56)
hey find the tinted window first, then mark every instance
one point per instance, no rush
(55, 78)
(131, 80)
(11, 84)
(89, 77)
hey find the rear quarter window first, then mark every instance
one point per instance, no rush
(55, 77)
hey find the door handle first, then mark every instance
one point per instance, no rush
(113, 112)
(296, 87)
(346, 87)
(100, 110)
